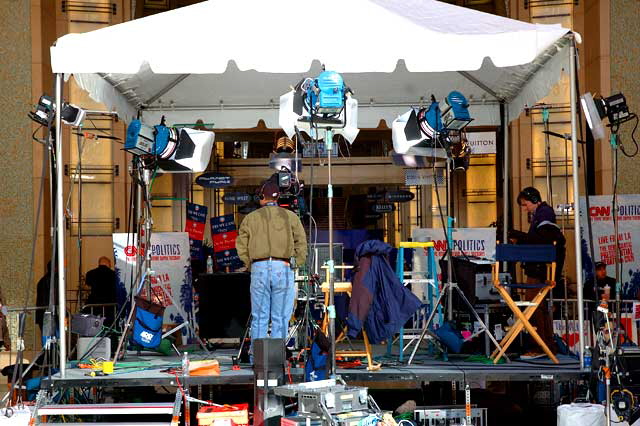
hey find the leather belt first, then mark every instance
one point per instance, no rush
(282, 259)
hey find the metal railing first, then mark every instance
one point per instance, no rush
(99, 309)
(32, 330)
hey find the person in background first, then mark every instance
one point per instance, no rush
(271, 242)
(604, 285)
(542, 230)
(102, 281)
(43, 291)
(5, 338)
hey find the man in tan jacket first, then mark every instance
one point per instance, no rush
(271, 242)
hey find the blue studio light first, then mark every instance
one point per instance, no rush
(327, 93)
(456, 116)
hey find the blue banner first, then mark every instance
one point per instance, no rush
(228, 258)
(194, 226)
(196, 249)
(196, 212)
(221, 224)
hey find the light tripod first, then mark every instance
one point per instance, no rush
(450, 286)
(143, 175)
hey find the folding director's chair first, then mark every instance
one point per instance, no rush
(524, 253)
(345, 287)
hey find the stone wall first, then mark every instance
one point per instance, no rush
(16, 150)
(625, 63)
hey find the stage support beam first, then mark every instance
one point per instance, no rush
(576, 195)
(59, 236)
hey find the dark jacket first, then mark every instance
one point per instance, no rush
(379, 301)
(543, 230)
(102, 281)
(589, 288)
(42, 296)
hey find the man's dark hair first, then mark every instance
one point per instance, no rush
(270, 191)
(531, 194)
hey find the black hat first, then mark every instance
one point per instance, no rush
(601, 265)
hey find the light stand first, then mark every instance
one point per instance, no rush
(450, 286)
(614, 212)
(566, 138)
(331, 309)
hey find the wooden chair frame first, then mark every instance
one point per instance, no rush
(345, 287)
(523, 317)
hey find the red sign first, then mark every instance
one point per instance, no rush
(195, 230)
(225, 241)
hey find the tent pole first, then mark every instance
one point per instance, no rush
(576, 195)
(505, 173)
(62, 338)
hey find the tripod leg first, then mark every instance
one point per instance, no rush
(425, 329)
(477, 317)
(186, 318)
(247, 330)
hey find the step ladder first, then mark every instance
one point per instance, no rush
(44, 411)
(428, 283)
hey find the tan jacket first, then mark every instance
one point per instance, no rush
(271, 231)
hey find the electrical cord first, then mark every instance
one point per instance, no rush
(633, 139)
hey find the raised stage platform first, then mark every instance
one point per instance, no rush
(392, 375)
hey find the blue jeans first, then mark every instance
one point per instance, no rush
(272, 294)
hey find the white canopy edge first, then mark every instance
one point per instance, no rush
(527, 85)
(392, 52)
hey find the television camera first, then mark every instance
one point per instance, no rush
(290, 190)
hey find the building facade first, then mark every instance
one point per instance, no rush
(96, 170)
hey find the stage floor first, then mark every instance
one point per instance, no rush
(392, 374)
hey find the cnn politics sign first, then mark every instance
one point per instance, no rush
(604, 238)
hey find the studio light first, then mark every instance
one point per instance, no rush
(72, 115)
(456, 116)
(417, 129)
(177, 150)
(594, 113)
(321, 102)
(614, 107)
(44, 111)
(429, 133)
(192, 154)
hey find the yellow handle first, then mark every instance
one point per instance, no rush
(416, 244)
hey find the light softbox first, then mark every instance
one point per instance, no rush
(192, 153)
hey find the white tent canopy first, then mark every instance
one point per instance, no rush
(227, 62)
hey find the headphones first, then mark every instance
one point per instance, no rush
(531, 194)
(261, 190)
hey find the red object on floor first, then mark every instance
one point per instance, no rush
(232, 415)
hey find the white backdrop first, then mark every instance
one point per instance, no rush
(170, 260)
